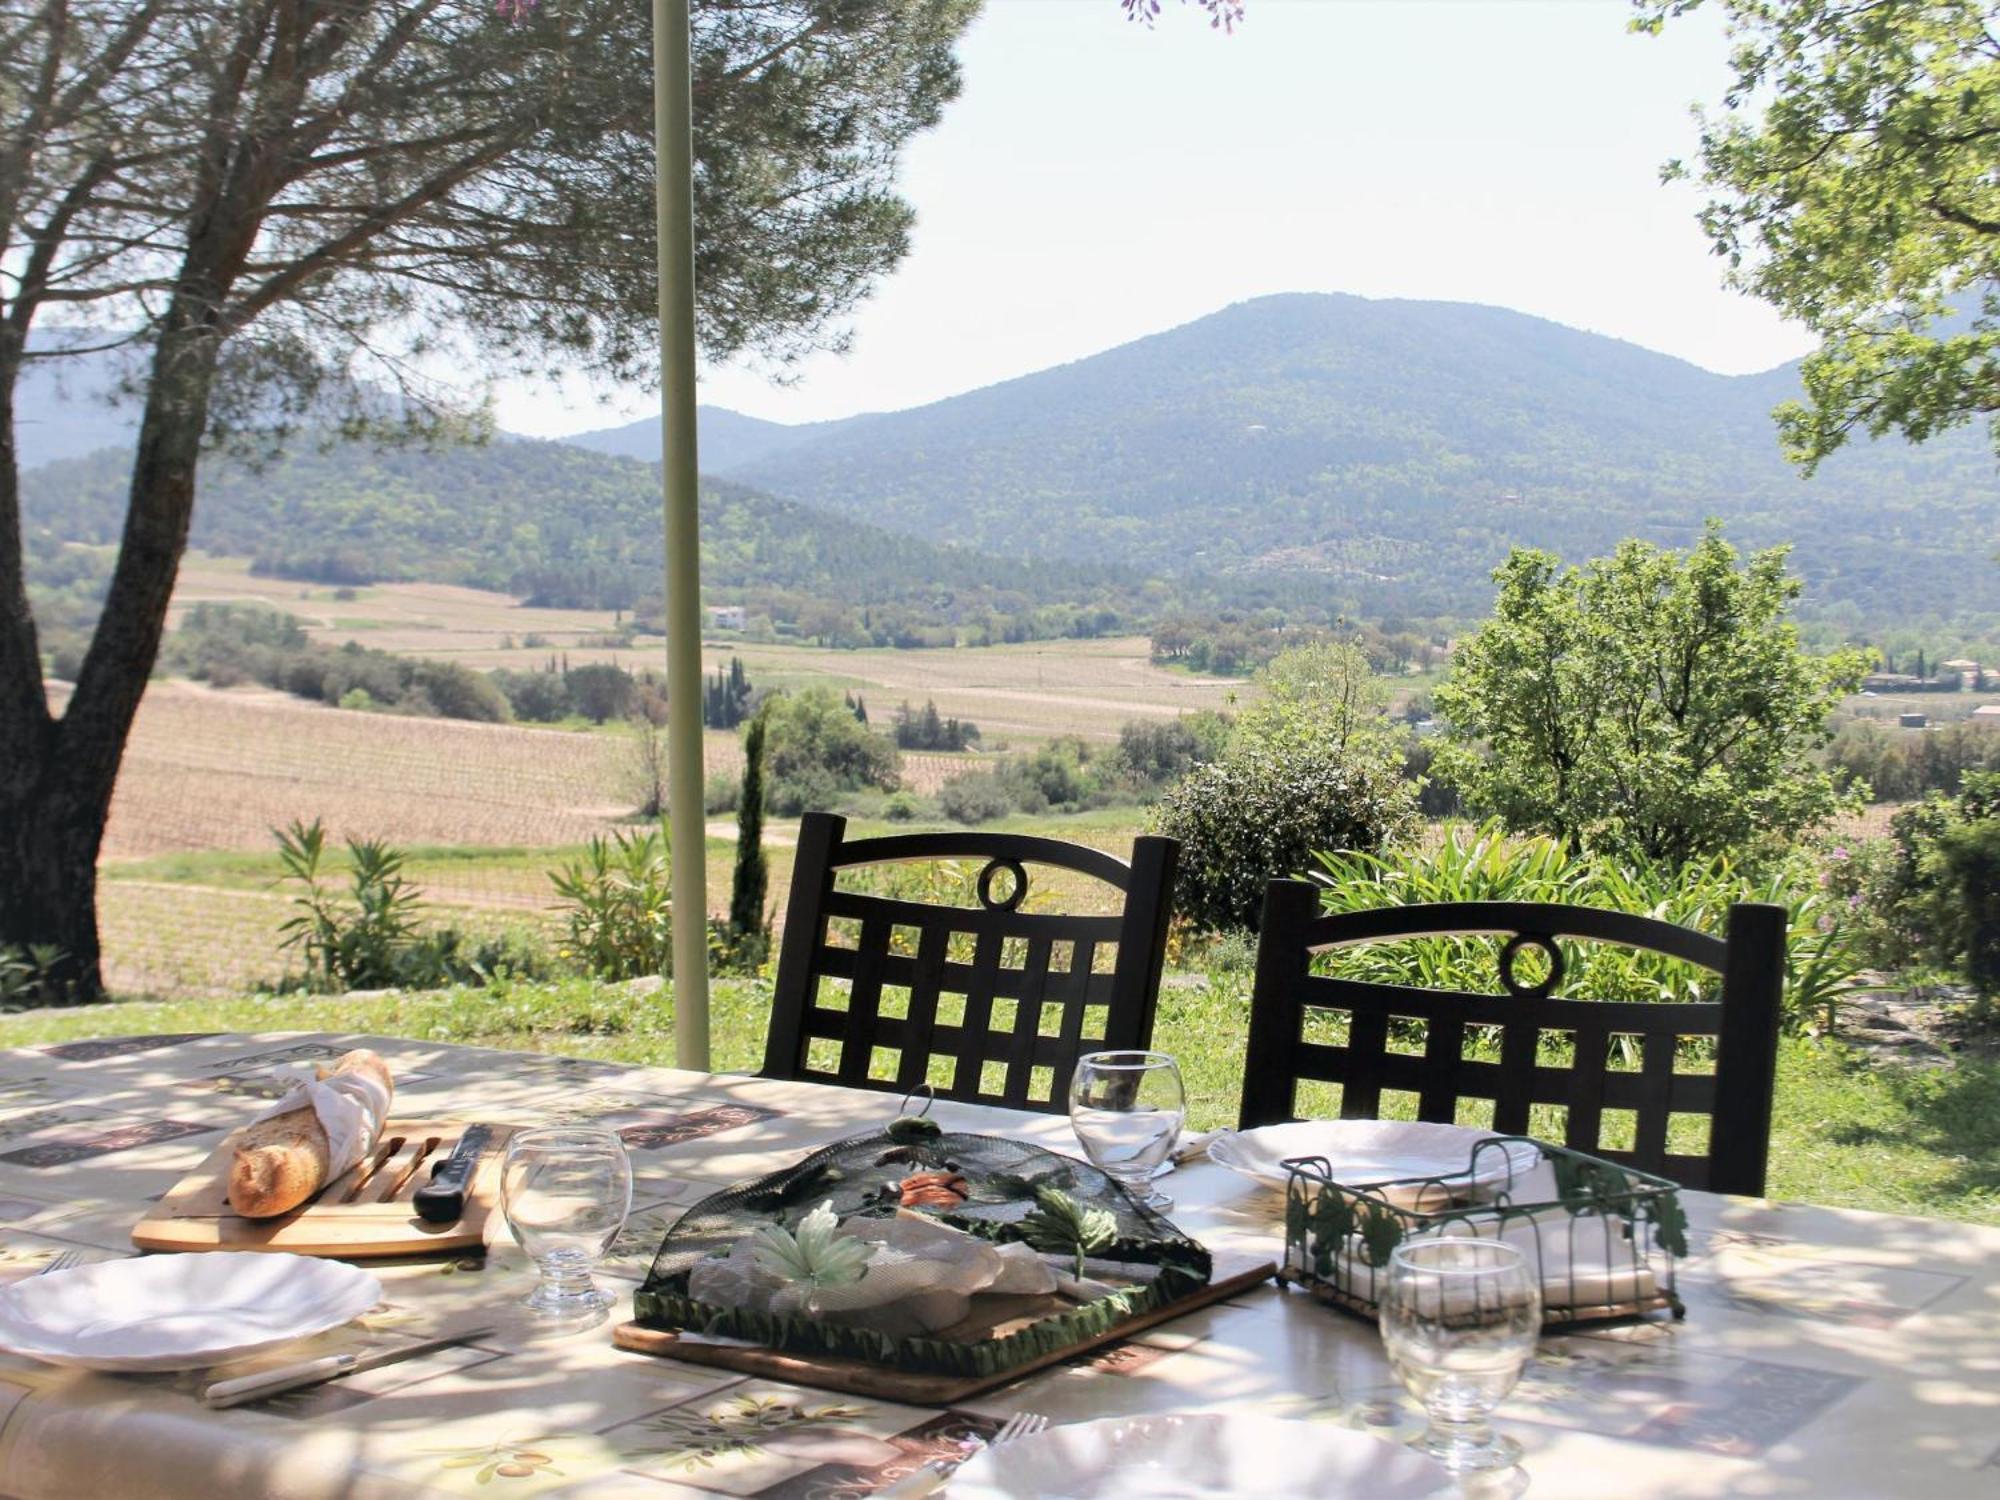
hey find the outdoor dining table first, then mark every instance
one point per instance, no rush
(1825, 1353)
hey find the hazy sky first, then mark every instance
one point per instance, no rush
(1096, 182)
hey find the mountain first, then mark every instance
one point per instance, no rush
(1392, 451)
(561, 526)
(726, 439)
(65, 408)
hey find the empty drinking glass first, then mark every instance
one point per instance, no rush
(567, 1191)
(1127, 1108)
(1460, 1317)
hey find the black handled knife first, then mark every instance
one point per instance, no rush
(442, 1199)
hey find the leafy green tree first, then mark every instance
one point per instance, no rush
(600, 691)
(1855, 169)
(819, 750)
(1323, 692)
(1655, 704)
(277, 207)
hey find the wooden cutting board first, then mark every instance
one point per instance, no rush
(364, 1212)
(856, 1377)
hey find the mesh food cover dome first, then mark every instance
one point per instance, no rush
(1109, 1256)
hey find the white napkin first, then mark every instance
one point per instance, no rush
(351, 1107)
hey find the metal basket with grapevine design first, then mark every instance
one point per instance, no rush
(1606, 1238)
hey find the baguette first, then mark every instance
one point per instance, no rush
(282, 1161)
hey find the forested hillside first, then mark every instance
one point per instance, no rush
(1395, 450)
(560, 526)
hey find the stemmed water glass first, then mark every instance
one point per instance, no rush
(566, 1191)
(1127, 1108)
(1460, 1317)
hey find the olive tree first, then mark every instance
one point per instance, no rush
(1654, 704)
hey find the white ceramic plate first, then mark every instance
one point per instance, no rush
(179, 1312)
(1367, 1153)
(1214, 1456)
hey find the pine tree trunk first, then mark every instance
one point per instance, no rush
(57, 775)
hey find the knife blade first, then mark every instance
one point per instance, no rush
(442, 1199)
(227, 1393)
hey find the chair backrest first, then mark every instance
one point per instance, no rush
(1367, 1037)
(988, 1004)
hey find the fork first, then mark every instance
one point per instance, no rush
(931, 1477)
(61, 1261)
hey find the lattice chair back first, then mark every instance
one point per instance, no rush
(1588, 1061)
(991, 1003)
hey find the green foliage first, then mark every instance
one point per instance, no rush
(725, 697)
(227, 644)
(1261, 813)
(352, 943)
(617, 905)
(1897, 765)
(1061, 775)
(600, 691)
(974, 798)
(1855, 191)
(1652, 704)
(1154, 753)
(1930, 894)
(1060, 1225)
(1483, 864)
(816, 1254)
(925, 729)
(1069, 774)
(1325, 692)
(1969, 877)
(28, 976)
(819, 752)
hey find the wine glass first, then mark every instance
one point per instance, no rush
(566, 1191)
(1460, 1317)
(1127, 1108)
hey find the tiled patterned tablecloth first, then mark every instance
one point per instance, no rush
(1825, 1354)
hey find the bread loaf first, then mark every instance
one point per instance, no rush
(283, 1159)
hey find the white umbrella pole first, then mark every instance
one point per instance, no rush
(674, 143)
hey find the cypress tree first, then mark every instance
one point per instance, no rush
(752, 876)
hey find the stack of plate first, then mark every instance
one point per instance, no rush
(1394, 1157)
(179, 1312)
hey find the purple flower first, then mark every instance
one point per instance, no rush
(513, 10)
(1839, 852)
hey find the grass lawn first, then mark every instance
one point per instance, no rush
(1847, 1134)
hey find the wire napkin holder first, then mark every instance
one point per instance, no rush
(1605, 1238)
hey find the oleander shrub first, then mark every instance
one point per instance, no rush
(367, 933)
(1484, 864)
(616, 900)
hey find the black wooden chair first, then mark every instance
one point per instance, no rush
(988, 1004)
(1367, 1037)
